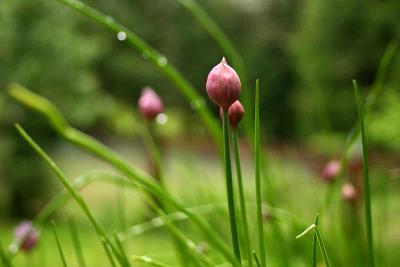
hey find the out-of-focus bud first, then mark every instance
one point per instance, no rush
(26, 236)
(235, 113)
(331, 171)
(223, 85)
(150, 104)
(349, 193)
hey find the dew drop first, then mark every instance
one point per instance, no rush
(196, 104)
(162, 118)
(13, 248)
(146, 54)
(162, 61)
(121, 36)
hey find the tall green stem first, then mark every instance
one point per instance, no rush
(229, 186)
(242, 200)
(260, 224)
(367, 191)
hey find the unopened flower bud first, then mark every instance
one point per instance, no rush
(223, 85)
(349, 193)
(26, 236)
(150, 104)
(235, 113)
(331, 171)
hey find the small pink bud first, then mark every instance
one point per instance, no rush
(349, 192)
(235, 113)
(26, 236)
(331, 171)
(150, 104)
(223, 85)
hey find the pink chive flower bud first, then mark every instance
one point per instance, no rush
(26, 236)
(223, 85)
(235, 113)
(331, 171)
(150, 104)
(349, 193)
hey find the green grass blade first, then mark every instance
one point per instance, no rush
(228, 49)
(60, 250)
(149, 261)
(367, 191)
(314, 248)
(67, 184)
(4, 258)
(108, 252)
(144, 181)
(320, 242)
(256, 259)
(76, 243)
(257, 145)
(158, 60)
(121, 250)
(243, 213)
(229, 186)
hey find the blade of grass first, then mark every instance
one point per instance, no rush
(320, 242)
(4, 258)
(91, 145)
(158, 60)
(108, 252)
(149, 261)
(242, 199)
(121, 250)
(67, 184)
(229, 186)
(260, 224)
(60, 250)
(256, 259)
(367, 191)
(77, 244)
(314, 249)
(229, 49)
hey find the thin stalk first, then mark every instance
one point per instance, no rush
(4, 258)
(242, 199)
(149, 261)
(60, 250)
(229, 186)
(158, 60)
(367, 191)
(260, 223)
(256, 259)
(121, 250)
(76, 243)
(314, 249)
(320, 242)
(144, 181)
(65, 181)
(109, 255)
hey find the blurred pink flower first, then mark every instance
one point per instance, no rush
(349, 193)
(150, 104)
(331, 170)
(26, 236)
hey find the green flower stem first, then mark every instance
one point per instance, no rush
(243, 212)
(320, 242)
(108, 252)
(86, 142)
(64, 180)
(260, 223)
(367, 191)
(229, 186)
(60, 250)
(76, 243)
(158, 60)
(149, 261)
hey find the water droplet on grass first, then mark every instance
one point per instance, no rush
(121, 36)
(162, 118)
(162, 61)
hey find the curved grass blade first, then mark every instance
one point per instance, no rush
(158, 60)
(144, 181)
(260, 224)
(76, 243)
(320, 242)
(229, 50)
(367, 190)
(60, 250)
(149, 261)
(67, 184)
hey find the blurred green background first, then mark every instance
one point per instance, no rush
(305, 53)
